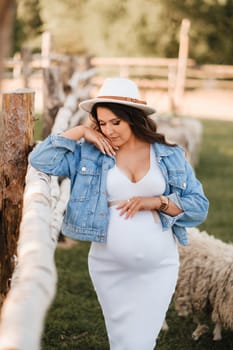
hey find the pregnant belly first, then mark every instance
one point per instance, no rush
(139, 242)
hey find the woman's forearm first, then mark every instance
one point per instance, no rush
(132, 205)
(92, 136)
(75, 133)
(171, 208)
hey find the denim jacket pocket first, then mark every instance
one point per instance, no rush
(86, 181)
(177, 181)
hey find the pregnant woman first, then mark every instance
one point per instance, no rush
(132, 195)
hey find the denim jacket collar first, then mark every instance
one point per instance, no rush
(89, 151)
(162, 150)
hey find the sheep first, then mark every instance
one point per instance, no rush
(205, 282)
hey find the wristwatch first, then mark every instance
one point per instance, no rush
(164, 203)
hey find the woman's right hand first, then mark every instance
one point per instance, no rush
(99, 140)
(92, 136)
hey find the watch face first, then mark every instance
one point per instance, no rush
(164, 203)
(164, 200)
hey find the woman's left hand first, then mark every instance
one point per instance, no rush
(135, 204)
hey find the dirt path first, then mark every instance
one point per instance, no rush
(209, 104)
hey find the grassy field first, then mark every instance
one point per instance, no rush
(75, 321)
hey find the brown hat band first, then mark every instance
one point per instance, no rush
(121, 98)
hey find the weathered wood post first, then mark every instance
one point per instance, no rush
(26, 57)
(54, 97)
(45, 49)
(182, 64)
(16, 140)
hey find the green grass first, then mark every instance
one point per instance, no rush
(75, 321)
(38, 127)
(216, 172)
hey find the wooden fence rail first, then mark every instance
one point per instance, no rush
(170, 77)
(33, 283)
(34, 278)
(157, 70)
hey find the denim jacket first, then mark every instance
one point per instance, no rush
(87, 213)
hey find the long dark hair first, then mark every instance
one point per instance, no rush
(141, 125)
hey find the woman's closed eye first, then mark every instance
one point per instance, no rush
(114, 122)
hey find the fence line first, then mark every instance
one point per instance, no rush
(152, 75)
(34, 279)
(156, 69)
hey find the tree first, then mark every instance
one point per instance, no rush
(63, 18)
(137, 27)
(28, 25)
(211, 27)
(122, 27)
(7, 12)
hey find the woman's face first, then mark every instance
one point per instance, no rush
(115, 129)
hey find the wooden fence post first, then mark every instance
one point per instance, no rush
(45, 49)
(26, 69)
(182, 63)
(54, 97)
(16, 141)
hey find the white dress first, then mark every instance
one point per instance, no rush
(135, 272)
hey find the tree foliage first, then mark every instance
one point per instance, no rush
(28, 25)
(211, 27)
(133, 27)
(125, 27)
(63, 18)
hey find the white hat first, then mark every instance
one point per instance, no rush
(118, 90)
